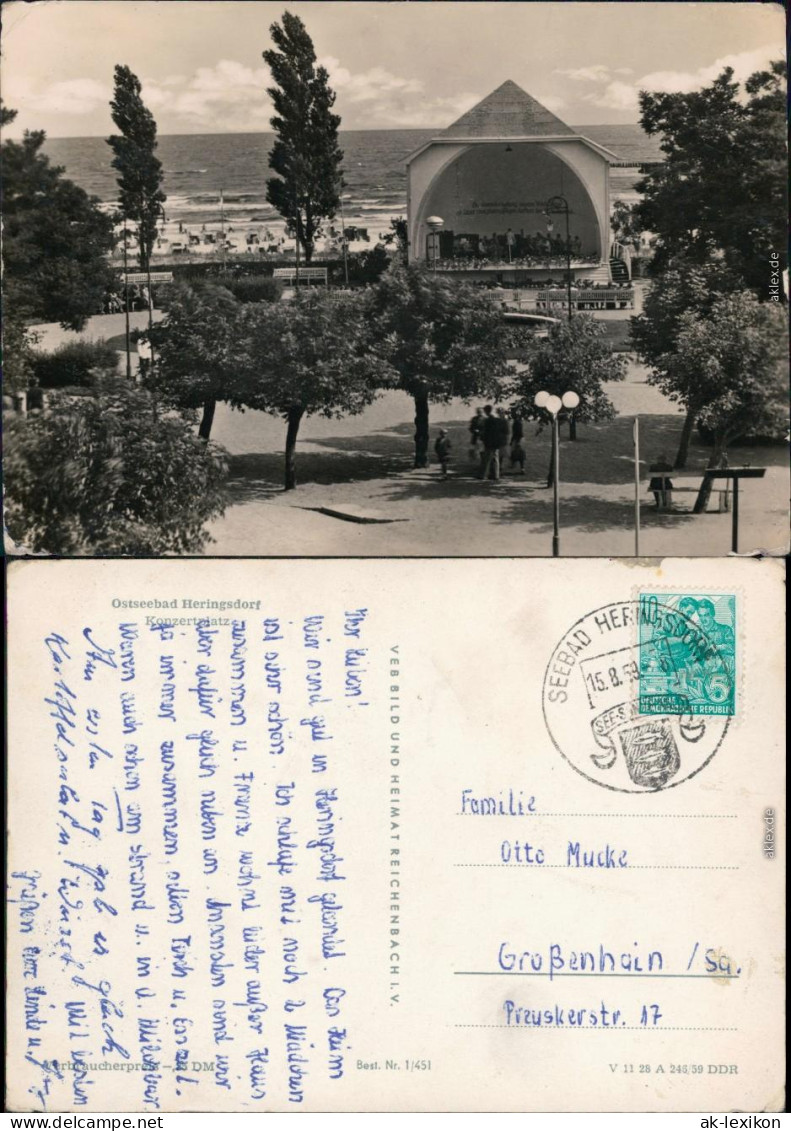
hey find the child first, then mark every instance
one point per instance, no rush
(442, 448)
(518, 455)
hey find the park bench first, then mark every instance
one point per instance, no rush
(731, 477)
(306, 274)
(697, 478)
(142, 277)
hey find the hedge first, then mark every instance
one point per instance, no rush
(76, 363)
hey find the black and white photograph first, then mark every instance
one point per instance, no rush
(394, 279)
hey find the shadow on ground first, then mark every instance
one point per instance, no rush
(260, 475)
(587, 513)
(602, 456)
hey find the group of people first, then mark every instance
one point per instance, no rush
(113, 303)
(515, 248)
(494, 436)
(479, 262)
(502, 245)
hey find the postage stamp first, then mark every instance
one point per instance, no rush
(622, 732)
(687, 653)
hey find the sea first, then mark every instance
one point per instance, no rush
(198, 168)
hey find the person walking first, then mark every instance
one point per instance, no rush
(476, 424)
(442, 448)
(503, 435)
(518, 453)
(490, 434)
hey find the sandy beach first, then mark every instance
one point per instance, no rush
(244, 234)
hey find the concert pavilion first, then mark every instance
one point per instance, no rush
(512, 192)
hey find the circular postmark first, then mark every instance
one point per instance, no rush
(598, 703)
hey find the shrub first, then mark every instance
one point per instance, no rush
(104, 474)
(76, 363)
(251, 288)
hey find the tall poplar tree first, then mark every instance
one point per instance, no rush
(306, 156)
(139, 169)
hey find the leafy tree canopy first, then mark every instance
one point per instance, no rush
(722, 186)
(312, 356)
(686, 287)
(733, 362)
(55, 239)
(574, 357)
(305, 156)
(686, 284)
(18, 355)
(195, 345)
(441, 340)
(134, 157)
(624, 223)
(101, 474)
(398, 235)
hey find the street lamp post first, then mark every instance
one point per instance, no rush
(560, 204)
(553, 405)
(126, 306)
(435, 224)
(343, 236)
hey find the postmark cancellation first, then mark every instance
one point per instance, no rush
(638, 694)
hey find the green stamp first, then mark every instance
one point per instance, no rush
(687, 654)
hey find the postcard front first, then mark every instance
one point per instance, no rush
(395, 836)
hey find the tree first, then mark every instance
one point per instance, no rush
(196, 347)
(398, 236)
(574, 357)
(55, 242)
(18, 355)
(134, 157)
(310, 356)
(686, 285)
(625, 225)
(722, 185)
(441, 339)
(306, 156)
(99, 474)
(732, 363)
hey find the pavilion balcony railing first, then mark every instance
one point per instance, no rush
(554, 300)
(534, 262)
(615, 297)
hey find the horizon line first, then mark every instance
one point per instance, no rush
(255, 133)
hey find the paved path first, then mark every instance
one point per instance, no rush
(51, 334)
(366, 461)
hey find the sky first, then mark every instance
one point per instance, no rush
(393, 64)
